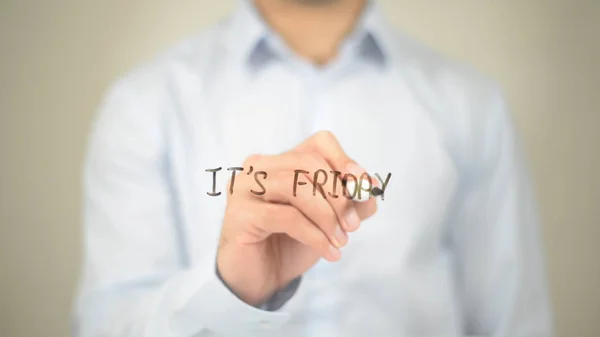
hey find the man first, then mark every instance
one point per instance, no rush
(197, 222)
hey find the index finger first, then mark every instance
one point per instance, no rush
(326, 144)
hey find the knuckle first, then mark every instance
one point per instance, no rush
(281, 189)
(253, 159)
(309, 159)
(316, 158)
(322, 242)
(276, 186)
(325, 135)
(270, 197)
(301, 156)
(327, 220)
(330, 222)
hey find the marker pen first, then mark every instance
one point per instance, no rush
(351, 186)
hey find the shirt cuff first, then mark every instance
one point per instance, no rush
(214, 307)
(277, 300)
(282, 296)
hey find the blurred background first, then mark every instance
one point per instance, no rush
(58, 57)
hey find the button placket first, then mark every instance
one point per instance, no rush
(322, 274)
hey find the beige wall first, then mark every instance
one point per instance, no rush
(56, 57)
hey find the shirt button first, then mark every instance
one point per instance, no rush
(264, 324)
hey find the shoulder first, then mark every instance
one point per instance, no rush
(139, 103)
(154, 84)
(467, 105)
(437, 77)
(191, 55)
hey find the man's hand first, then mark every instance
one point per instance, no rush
(269, 240)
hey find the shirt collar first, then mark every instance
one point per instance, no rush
(253, 42)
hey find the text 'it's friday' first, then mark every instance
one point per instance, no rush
(319, 179)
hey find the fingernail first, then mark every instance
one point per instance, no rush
(339, 237)
(334, 253)
(352, 219)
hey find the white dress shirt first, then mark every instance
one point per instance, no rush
(454, 249)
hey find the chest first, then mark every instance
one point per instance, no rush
(377, 123)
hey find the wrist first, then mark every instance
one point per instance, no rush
(245, 283)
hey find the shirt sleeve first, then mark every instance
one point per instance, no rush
(135, 280)
(500, 266)
(278, 299)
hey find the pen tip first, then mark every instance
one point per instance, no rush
(376, 191)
